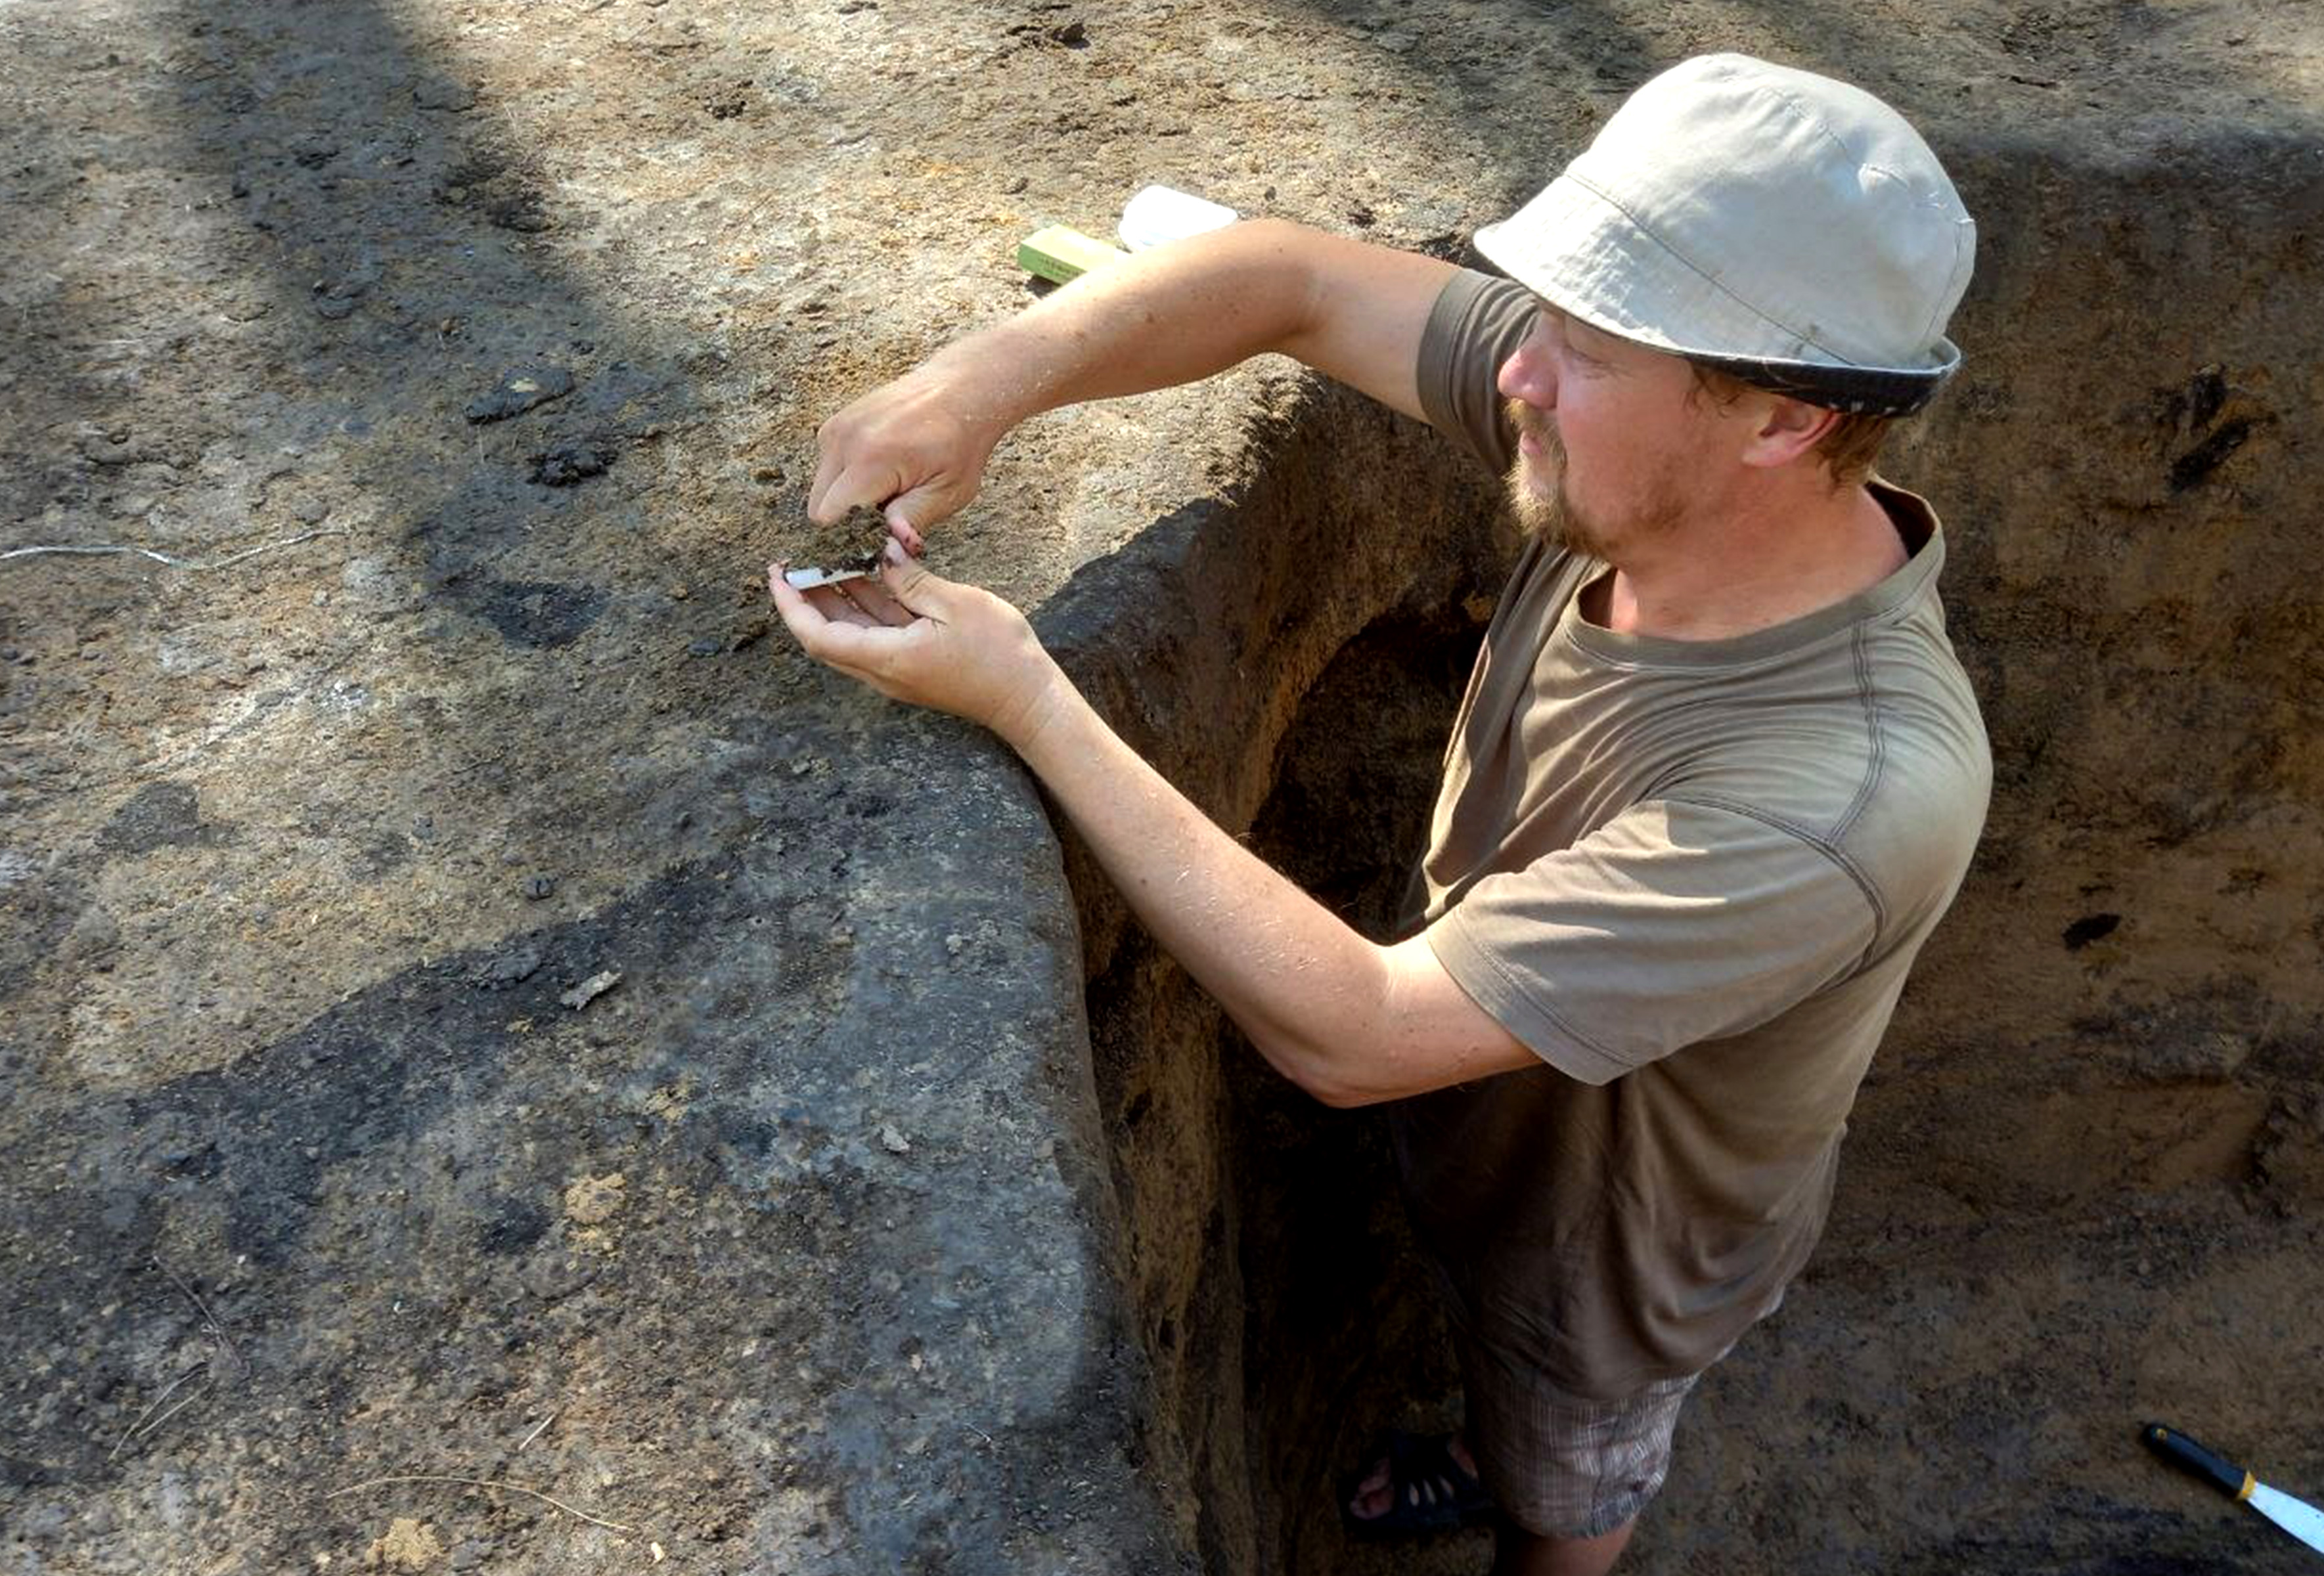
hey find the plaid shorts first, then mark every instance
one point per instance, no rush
(1560, 1466)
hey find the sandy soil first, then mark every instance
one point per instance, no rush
(494, 335)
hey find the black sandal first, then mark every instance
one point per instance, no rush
(1431, 1491)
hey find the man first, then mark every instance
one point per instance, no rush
(1717, 775)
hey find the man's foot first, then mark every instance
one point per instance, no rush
(1421, 1484)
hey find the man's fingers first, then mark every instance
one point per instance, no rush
(853, 486)
(845, 603)
(907, 580)
(855, 642)
(806, 618)
(872, 596)
(904, 510)
(791, 605)
(832, 632)
(906, 503)
(826, 471)
(828, 603)
(842, 493)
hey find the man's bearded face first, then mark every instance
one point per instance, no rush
(1544, 495)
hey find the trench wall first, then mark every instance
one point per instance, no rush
(1200, 641)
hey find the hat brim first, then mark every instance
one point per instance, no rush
(1584, 256)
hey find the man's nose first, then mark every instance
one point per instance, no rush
(1527, 376)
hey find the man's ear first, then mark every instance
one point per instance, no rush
(1787, 429)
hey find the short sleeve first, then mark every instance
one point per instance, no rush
(1476, 323)
(1671, 925)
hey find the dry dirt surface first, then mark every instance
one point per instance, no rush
(476, 1008)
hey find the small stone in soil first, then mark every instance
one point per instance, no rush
(536, 887)
(518, 390)
(108, 449)
(590, 988)
(512, 967)
(339, 298)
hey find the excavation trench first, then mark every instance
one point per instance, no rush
(2083, 1180)
(327, 1188)
(1291, 655)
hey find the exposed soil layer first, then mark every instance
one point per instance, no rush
(474, 1003)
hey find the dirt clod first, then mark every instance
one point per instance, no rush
(406, 1545)
(571, 463)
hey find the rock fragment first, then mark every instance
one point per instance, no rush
(513, 967)
(518, 390)
(590, 988)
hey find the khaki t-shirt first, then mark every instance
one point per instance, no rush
(1691, 875)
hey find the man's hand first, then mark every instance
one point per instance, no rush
(915, 449)
(932, 642)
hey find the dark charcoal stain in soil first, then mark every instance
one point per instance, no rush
(571, 463)
(380, 1070)
(2207, 456)
(539, 614)
(163, 815)
(2194, 406)
(2089, 928)
(513, 967)
(18, 1473)
(514, 1223)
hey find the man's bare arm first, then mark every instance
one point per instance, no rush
(1348, 1021)
(1173, 315)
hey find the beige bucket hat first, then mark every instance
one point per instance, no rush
(1788, 228)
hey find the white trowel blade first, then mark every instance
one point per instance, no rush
(808, 579)
(2296, 1517)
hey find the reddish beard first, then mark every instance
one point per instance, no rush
(1550, 515)
(1558, 519)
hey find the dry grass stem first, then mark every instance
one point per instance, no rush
(482, 1483)
(209, 1319)
(155, 1426)
(138, 1427)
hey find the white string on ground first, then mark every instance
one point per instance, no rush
(114, 549)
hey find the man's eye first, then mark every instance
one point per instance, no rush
(1563, 334)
